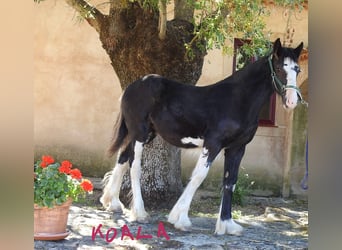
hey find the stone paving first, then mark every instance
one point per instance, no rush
(269, 223)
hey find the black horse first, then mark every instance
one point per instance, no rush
(221, 116)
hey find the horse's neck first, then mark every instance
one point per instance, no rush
(256, 79)
(260, 74)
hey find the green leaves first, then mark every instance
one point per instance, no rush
(53, 184)
(50, 187)
(216, 22)
(219, 21)
(242, 189)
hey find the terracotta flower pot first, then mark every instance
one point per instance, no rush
(51, 223)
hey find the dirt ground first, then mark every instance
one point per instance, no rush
(269, 223)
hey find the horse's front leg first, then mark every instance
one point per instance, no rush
(137, 207)
(225, 224)
(179, 213)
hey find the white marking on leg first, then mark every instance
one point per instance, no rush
(226, 174)
(179, 213)
(227, 226)
(138, 209)
(233, 188)
(196, 141)
(110, 198)
(291, 77)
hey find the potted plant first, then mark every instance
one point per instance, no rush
(56, 185)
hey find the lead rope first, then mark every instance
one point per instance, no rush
(305, 103)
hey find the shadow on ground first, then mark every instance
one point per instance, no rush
(269, 223)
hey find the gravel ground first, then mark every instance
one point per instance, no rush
(269, 223)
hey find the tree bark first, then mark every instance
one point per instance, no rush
(130, 36)
(184, 11)
(139, 51)
(162, 19)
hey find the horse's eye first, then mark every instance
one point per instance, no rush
(297, 69)
(285, 64)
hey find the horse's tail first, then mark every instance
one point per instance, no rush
(119, 136)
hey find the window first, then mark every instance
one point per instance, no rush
(267, 114)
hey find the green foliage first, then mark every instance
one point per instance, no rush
(53, 186)
(291, 3)
(236, 214)
(219, 21)
(242, 189)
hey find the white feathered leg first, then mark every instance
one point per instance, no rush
(110, 198)
(137, 209)
(179, 213)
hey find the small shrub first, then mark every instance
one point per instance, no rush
(242, 189)
(236, 214)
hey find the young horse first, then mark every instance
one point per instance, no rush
(222, 116)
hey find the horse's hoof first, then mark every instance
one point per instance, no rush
(171, 219)
(184, 228)
(118, 209)
(141, 217)
(114, 209)
(228, 227)
(230, 232)
(235, 232)
(143, 220)
(112, 205)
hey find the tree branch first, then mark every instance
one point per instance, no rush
(184, 10)
(162, 19)
(93, 16)
(116, 5)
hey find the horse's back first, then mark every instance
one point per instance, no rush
(154, 89)
(156, 104)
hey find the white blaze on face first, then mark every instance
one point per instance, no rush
(291, 77)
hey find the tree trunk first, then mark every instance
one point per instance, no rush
(161, 183)
(129, 35)
(138, 50)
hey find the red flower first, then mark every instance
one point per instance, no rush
(43, 164)
(87, 185)
(76, 173)
(46, 160)
(65, 167)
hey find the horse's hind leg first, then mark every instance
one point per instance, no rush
(137, 209)
(113, 180)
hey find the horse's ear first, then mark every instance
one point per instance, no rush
(277, 48)
(298, 49)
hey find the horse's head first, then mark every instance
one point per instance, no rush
(285, 69)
